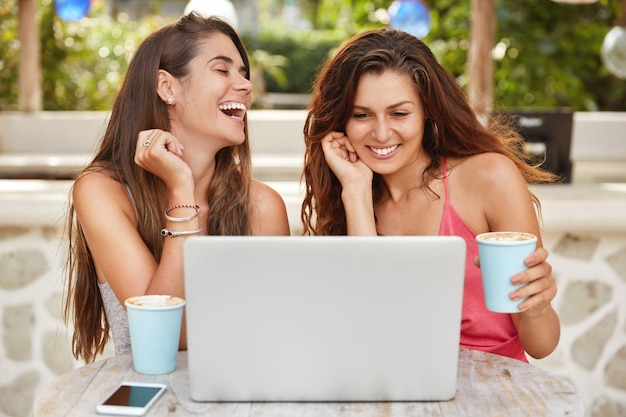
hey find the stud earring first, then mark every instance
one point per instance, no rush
(170, 101)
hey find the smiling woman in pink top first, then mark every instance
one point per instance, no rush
(394, 148)
(174, 162)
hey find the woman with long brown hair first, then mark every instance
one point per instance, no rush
(394, 148)
(174, 162)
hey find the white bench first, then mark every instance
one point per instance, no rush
(57, 145)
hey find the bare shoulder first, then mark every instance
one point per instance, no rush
(486, 172)
(269, 212)
(265, 196)
(491, 193)
(93, 184)
(487, 167)
(95, 192)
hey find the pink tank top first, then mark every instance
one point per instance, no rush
(481, 329)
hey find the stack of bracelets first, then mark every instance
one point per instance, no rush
(173, 233)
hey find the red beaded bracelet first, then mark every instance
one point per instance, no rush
(182, 219)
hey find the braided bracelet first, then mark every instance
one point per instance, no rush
(173, 233)
(182, 219)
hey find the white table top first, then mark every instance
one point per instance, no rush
(488, 385)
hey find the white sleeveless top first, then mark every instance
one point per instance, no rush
(117, 318)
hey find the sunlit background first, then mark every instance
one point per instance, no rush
(545, 53)
(558, 63)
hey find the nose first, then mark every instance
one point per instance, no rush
(381, 130)
(243, 84)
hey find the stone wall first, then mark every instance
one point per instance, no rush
(35, 345)
(591, 276)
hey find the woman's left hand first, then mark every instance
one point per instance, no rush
(541, 285)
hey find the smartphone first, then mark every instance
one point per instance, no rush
(131, 399)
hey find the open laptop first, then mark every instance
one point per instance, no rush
(302, 318)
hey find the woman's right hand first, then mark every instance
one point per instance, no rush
(356, 183)
(160, 153)
(344, 162)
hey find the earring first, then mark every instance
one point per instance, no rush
(170, 101)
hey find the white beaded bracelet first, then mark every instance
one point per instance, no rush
(182, 219)
(173, 233)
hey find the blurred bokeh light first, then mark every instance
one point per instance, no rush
(220, 8)
(614, 51)
(71, 10)
(412, 16)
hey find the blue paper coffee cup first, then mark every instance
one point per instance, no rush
(154, 323)
(502, 255)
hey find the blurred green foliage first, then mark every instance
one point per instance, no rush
(83, 62)
(551, 56)
(9, 55)
(547, 54)
(303, 50)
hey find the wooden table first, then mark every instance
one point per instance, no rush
(488, 385)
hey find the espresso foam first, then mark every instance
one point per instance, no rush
(506, 236)
(155, 301)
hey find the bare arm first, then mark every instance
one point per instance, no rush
(107, 217)
(507, 207)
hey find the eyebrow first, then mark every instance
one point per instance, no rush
(228, 60)
(356, 106)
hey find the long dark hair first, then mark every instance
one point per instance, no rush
(136, 108)
(452, 129)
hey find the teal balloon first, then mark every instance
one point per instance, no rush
(71, 10)
(411, 16)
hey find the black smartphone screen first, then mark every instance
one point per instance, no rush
(132, 396)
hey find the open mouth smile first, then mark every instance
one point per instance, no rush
(384, 151)
(233, 110)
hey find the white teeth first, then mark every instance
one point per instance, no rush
(232, 106)
(234, 110)
(384, 151)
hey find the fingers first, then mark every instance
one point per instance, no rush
(351, 151)
(334, 144)
(156, 139)
(534, 272)
(540, 294)
(537, 257)
(540, 288)
(160, 153)
(337, 135)
(340, 143)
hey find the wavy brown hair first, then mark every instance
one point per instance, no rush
(452, 128)
(136, 108)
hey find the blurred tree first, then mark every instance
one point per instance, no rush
(9, 56)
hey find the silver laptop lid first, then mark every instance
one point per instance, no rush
(323, 318)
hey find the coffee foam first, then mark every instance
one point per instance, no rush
(506, 236)
(155, 301)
